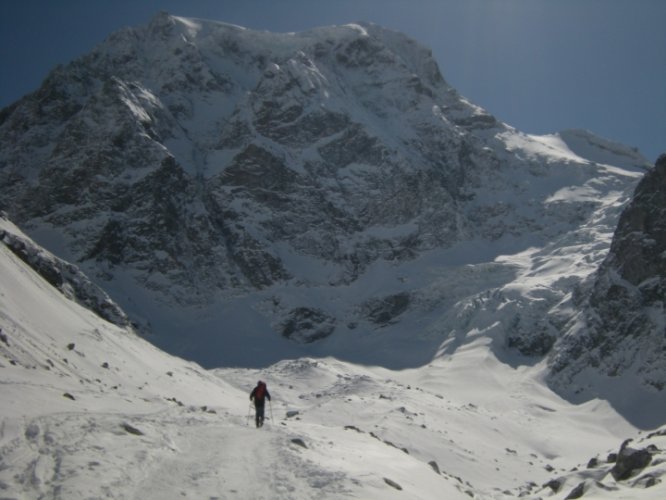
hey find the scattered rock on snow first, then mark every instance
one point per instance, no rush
(577, 492)
(131, 430)
(434, 466)
(69, 396)
(553, 484)
(353, 428)
(392, 484)
(392, 445)
(646, 481)
(629, 462)
(661, 432)
(299, 442)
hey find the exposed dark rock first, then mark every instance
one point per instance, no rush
(383, 311)
(554, 484)
(307, 325)
(131, 429)
(661, 432)
(528, 339)
(640, 240)
(577, 492)
(646, 481)
(629, 462)
(299, 442)
(392, 484)
(353, 428)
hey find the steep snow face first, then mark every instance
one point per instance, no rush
(250, 196)
(62, 275)
(53, 344)
(91, 410)
(621, 331)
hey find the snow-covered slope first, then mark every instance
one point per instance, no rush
(90, 410)
(620, 331)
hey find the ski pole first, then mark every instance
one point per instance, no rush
(270, 405)
(249, 410)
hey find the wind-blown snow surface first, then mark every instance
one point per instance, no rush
(90, 410)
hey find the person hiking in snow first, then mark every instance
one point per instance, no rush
(259, 395)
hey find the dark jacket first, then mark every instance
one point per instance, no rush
(259, 394)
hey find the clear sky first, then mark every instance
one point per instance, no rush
(538, 65)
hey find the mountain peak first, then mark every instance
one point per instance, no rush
(320, 185)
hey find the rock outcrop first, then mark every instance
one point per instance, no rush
(622, 327)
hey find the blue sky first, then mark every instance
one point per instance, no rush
(539, 65)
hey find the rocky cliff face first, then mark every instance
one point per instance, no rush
(312, 184)
(622, 329)
(208, 143)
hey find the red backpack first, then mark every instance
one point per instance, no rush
(260, 392)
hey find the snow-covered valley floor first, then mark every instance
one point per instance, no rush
(90, 410)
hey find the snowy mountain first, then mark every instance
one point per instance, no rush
(91, 410)
(621, 328)
(248, 197)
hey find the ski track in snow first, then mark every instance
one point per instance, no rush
(206, 451)
(178, 456)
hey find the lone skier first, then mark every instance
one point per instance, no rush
(259, 395)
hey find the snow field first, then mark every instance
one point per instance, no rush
(90, 410)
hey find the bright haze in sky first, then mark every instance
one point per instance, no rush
(538, 65)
